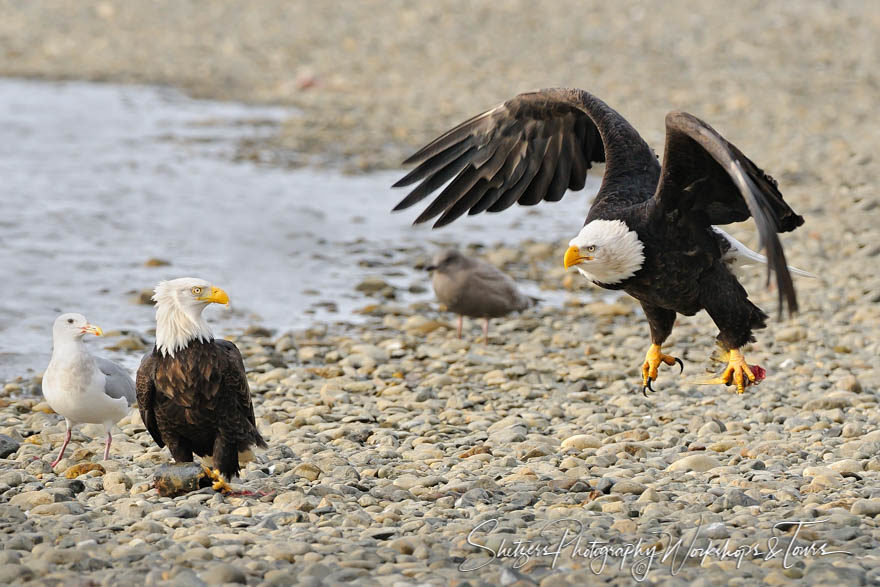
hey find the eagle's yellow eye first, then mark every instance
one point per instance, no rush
(196, 291)
(591, 248)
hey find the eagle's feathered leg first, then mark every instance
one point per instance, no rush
(736, 317)
(225, 457)
(180, 452)
(660, 321)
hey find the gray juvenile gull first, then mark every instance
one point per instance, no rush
(474, 288)
(83, 388)
(650, 230)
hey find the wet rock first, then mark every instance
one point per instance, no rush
(143, 297)
(375, 285)
(8, 445)
(130, 342)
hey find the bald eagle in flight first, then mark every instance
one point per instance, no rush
(192, 391)
(650, 230)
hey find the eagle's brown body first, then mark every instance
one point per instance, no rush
(198, 401)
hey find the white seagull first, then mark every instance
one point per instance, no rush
(83, 388)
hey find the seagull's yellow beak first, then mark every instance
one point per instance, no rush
(217, 296)
(573, 257)
(92, 329)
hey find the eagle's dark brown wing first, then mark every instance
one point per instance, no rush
(531, 148)
(146, 393)
(708, 178)
(237, 392)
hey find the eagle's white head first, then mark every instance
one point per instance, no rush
(179, 305)
(606, 251)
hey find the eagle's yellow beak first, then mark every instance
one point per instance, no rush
(573, 257)
(217, 296)
(92, 329)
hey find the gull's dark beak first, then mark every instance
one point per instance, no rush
(431, 268)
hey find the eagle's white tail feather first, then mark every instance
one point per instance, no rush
(739, 255)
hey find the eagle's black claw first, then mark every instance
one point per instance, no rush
(680, 364)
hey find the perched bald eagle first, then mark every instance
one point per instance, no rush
(192, 391)
(650, 231)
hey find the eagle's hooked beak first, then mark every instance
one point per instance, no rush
(217, 296)
(573, 257)
(92, 329)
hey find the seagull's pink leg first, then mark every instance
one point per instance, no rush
(107, 447)
(63, 446)
(485, 331)
(460, 318)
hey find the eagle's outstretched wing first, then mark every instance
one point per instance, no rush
(532, 147)
(708, 178)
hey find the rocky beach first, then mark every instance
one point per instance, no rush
(399, 454)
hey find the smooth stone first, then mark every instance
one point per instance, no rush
(308, 471)
(31, 499)
(117, 483)
(734, 497)
(825, 573)
(846, 466)
(223, 573)
(8, 445)
(866, 507)
(58, 509)
(15, 574)
(628, 486)
(580, 442)
(697, 462)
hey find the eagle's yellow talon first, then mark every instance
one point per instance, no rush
(219, 483)
(737, 372)
(653, 358)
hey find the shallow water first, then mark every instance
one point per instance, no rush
(96, 179)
